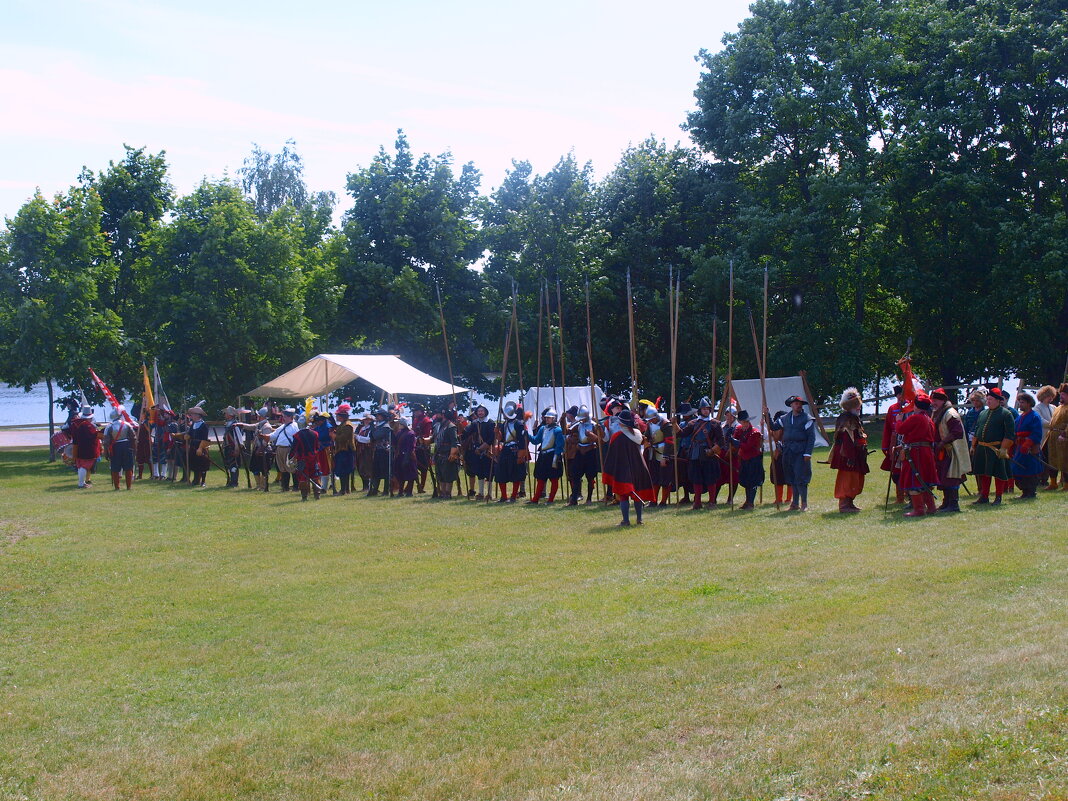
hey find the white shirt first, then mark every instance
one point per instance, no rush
(284, 434)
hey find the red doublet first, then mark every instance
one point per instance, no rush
(915, 429)
(889, 436)
(86, 442)
(751, 444)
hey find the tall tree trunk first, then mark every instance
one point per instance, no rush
(51, 422)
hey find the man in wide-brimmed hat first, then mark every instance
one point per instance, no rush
(233, 443)
(951, 458)
(477, 441)
(199, 441)
(344, 441)
(704, 437)
(282, 439)
(798, 440)
(86, 445)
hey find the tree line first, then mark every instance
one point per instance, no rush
(898, 168)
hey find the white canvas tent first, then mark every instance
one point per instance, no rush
(538, 398)
(779, 389)
(329, 371)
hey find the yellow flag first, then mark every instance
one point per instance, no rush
(148, 402)
(308, 402)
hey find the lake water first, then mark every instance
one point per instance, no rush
(19, 408)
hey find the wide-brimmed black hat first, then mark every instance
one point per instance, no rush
(796, 399)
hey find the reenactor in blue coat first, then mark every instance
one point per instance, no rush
(798, 440)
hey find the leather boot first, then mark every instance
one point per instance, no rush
(917, 507)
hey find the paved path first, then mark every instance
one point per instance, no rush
(24, 438)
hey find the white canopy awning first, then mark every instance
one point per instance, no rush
(329, 371)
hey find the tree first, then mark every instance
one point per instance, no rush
(412, 225)
(273, 180)
(225, 295)
(53, 323)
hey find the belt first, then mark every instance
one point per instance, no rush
(919, 444)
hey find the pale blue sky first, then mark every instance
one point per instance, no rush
(490, 82)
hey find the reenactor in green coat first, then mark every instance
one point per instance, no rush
(995, 433)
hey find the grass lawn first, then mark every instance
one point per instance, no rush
(170, 643)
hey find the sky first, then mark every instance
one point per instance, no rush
(203, 81)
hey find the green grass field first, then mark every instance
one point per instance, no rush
(171, 643)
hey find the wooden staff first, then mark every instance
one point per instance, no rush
(445, 337)
(763, 387)
(594, 408)
(730, 372)
(633, 344)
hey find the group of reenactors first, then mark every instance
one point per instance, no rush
(930, 446)
(641, 453)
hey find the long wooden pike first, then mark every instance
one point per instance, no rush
(552, 353)
(763, 386)
(518, 352)
(673, 324)
(633, 344)
(715, 352)
(500, 401)
(519, 369)
(594, 408)
(541, 309)
(563, 379)
(445, 337)
(730, 373)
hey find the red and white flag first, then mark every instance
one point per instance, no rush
(111, 398)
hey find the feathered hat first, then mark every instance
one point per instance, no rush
(851, 399)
